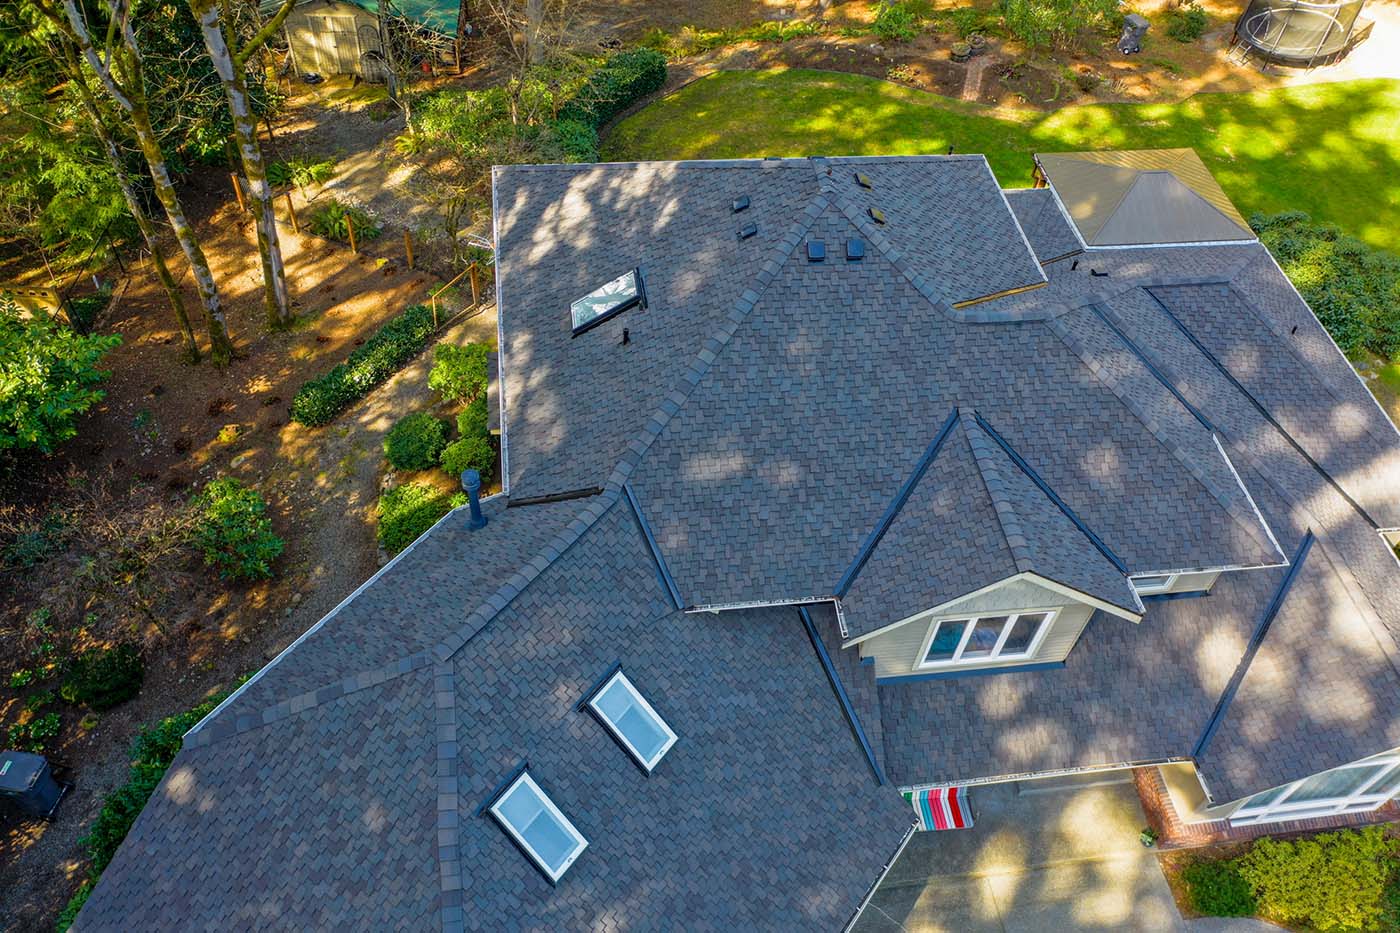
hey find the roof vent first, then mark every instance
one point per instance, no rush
(816, 251)
(877, 215)
(471, 485)
(747, 231)
(863, 180)
(855, 250)
(741, 204)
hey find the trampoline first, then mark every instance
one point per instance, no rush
(1295, 32)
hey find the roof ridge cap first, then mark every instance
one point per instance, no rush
(984, 456)
(715, 344)
(517, 582)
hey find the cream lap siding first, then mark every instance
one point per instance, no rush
(1194, 582)
(896, 652)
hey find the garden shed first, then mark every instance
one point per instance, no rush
(334, 37)
(341, 37)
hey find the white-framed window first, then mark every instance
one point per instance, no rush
(1353, 788)
(1155, 583)
(631, 719)
(974, 639)
(535, 823)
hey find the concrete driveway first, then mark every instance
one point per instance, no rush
(1061, 856)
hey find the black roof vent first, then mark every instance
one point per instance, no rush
(863, 180)
(855, 250)
(747, 230)
(816, 251)
(741, 204)
(877, 215)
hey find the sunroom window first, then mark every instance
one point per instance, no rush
(632, 721)
(982, 638)
(625, 291)
(1354, 788)
(535, 823)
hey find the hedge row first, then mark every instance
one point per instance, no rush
(623, 79)
(1353, 287)
(395, 343)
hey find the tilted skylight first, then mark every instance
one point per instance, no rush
(623, 292)
(632, 721)
(537, 826)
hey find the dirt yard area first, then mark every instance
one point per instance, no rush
(164, 430)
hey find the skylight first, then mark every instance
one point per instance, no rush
(855, 250)
(623, 292)
(537, 826)
(816, 251)
(632, 721)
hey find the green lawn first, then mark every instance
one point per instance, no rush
(1332, 150)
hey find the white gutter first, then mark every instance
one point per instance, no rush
(500, 340)
(869, 895)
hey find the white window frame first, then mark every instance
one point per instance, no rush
(1367, 797)
(922, 662)
(1153, 589)
(619, 677)
(580, 843)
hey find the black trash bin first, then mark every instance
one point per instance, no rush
(1134, 28)
(27, 781)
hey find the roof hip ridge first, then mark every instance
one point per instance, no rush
(1169, 379)
(982, 454)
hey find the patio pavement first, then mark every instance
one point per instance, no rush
(1060, 855)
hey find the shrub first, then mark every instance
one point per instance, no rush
(1354, 288)
(415, 441)
(334, 219)
(897, 20)
(472, 420)
(234, 532)
(48, 377)
(34, 735)
(1058, 23)
(576, 140)
(84, 309)
(469, 453)
(1187, 22)
(1331, 881)
(406, 511)
(624, 79)
(1217, 889)
(103, 677)
(459, 373)
(388, 349)
(301, 172)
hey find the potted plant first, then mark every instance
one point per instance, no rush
(960, 52)
(1148, 837)
(976, 43)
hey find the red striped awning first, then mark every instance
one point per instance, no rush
(941, 807)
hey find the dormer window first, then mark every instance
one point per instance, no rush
(626, 291)
(1156, 583)
(976, 639)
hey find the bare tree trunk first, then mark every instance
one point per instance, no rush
(133, 204)
(245, 131)
(534, 27)
(129, 94)
(220, 344)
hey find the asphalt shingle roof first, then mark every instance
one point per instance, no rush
(1045, 225)
(359, 810)
(767, 413)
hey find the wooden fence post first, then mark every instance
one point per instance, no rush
(476, 285)
(237, 191)
(292, 211)
(350, 229)
(408, 248)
